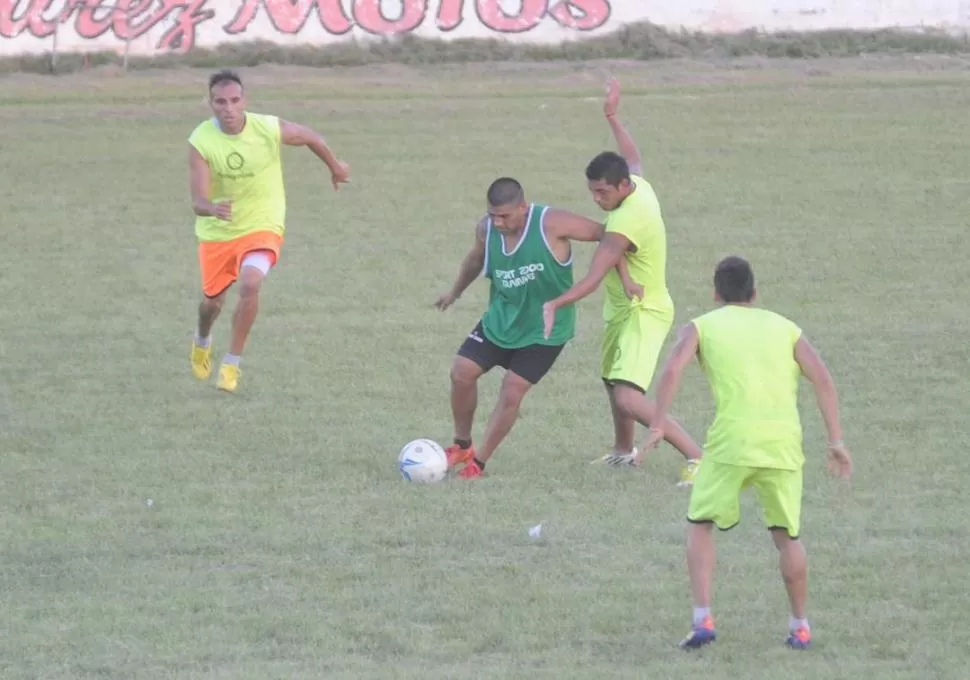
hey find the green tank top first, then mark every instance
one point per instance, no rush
(521, 283)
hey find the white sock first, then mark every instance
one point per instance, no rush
(794, 624)
(701, 613)
(231, 359)
(202, 342)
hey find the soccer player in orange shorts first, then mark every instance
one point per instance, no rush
(236, 180)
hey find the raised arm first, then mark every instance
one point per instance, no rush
(624, 142)
(470, 268)
(294, 134)
(199, 180)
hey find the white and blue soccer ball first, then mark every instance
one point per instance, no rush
(423, 461)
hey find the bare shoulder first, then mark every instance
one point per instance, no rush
(481, 229)
(197, 155)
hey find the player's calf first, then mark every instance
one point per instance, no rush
(255, 267)
(506, 412)
(464, 400)
(200, 357)
(793, 564)
(250, 283)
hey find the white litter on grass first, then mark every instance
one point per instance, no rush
(149, 502)
(536, 531)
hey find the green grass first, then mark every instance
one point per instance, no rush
(283, 544)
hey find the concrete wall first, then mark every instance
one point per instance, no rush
(161, 26)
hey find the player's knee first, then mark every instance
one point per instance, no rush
(782, 539)
(627, 400)
(211, 305)
(464, 373)
(512, 393)
(250, 282)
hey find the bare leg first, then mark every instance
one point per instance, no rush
(209, 310)
(641, 408)
(700, 563)
(624, 427)
(464, 395)
(250, 281)
(794, 570)
(514, 388)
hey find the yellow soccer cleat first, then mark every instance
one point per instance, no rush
(228, 377)
(687, 473)
(201, 359)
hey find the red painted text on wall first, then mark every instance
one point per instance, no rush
(130, 19)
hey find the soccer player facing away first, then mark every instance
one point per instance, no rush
(753, 359)
(236, 184)
(524, 250)
(635, 329)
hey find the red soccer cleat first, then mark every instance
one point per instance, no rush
(471, 471)
(458, 455)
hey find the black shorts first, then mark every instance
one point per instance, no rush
(531, 362)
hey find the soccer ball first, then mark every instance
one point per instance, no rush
(422, 461)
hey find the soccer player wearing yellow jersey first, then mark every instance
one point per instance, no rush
(635, 329)
(236, 183)
(753, 359)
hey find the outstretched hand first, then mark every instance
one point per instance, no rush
(612, 104)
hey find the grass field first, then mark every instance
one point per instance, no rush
(281, 541)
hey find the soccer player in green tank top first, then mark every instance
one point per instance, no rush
(524, 250)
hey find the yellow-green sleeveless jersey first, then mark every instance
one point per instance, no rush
(748, 355)
(640, 219)
(522, 281)
(247, 170)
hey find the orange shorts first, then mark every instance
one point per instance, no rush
(219, 261)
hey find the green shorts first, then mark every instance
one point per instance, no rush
(631, 347)
(717, 493)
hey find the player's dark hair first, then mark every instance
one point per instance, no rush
(224, 76)
(610, 167)
(505, 191)
(734, 280)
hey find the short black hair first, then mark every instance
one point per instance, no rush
(610, 167)
(505, 191)
(224, 76)
(734, 280)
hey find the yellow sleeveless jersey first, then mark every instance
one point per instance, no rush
(640, 219)
(748, 355)
(247, 170)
